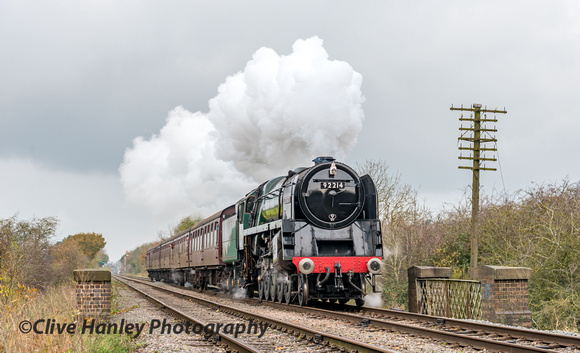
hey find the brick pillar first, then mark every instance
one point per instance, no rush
(93, 291)
(504, 294)
(421, 272)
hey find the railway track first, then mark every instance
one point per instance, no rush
(463, 333)
(543, 339)
(459, 332)
(274, 334)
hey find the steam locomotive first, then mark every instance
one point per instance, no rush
(313, 234)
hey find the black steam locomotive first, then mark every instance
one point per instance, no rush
(312, 234)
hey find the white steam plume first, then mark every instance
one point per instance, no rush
(278, 114)
(283, 111)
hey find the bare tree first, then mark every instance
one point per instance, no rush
(406, 228)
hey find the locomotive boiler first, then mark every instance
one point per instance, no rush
(312, 234)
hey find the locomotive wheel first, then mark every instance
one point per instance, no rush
(280, 292)
(303, 292)
(267, 288)
(273, 288)
(359, 302)
(228, 286)
(261, 290)
(287, 288)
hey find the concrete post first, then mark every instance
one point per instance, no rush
(93, 292)
(504, 294)
(421, 272)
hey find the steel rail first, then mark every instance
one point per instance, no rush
(449, 323)
(302, 331)
(462, 339)
(230, 341)
(532, 335)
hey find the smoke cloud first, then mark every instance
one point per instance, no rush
(279, 113)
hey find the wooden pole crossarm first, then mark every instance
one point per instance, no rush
(479, 159)
(472, 139)
(471, 129)
(480, 110)
(477, 168)
(481, 120)
(481, 149)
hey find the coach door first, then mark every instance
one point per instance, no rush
(188, 242)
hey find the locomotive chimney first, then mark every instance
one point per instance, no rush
(319, 160)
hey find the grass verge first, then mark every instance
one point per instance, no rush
(59, 304)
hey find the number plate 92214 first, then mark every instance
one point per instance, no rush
(332, 185)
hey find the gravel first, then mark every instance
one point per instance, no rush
(133, 308)
(396, 341)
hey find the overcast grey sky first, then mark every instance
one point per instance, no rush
(79, 81)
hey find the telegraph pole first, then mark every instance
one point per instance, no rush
(477, 144)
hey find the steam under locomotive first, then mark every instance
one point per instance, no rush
(312, 234)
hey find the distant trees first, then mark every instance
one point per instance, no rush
(76, 251)
(185, 223)
(65, 258)
(100, 259)
(538, 228)
(405, 225)
(27, 258)
(89, 243)
(24, 249)
(134, 260)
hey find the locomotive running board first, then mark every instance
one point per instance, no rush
(264, 228)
